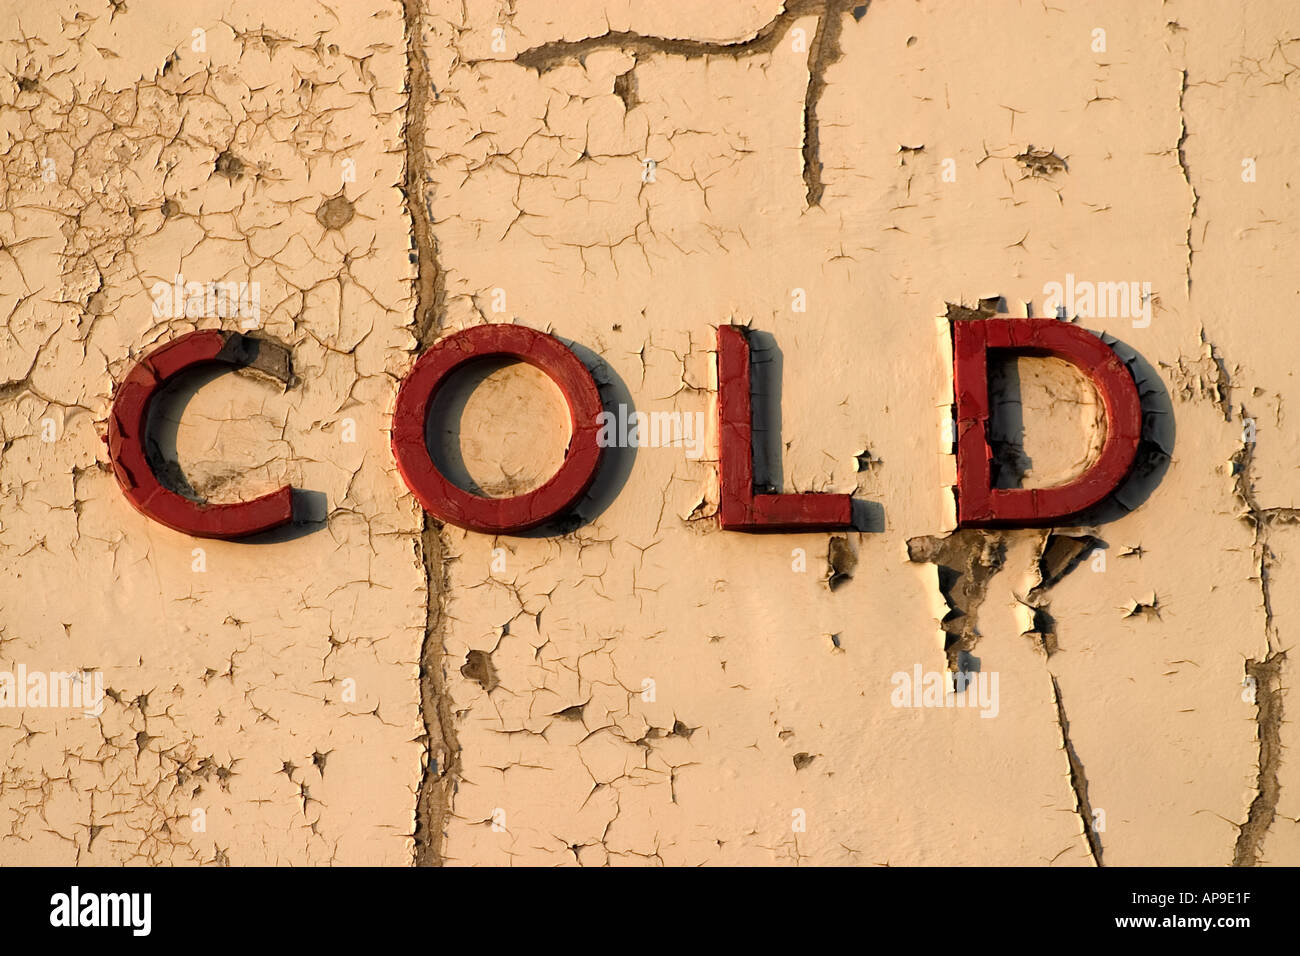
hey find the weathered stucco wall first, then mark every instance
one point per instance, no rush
(635, 685)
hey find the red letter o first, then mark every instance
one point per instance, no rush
(444, 500)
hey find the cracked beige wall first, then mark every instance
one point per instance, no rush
(644, 688)
(227, 685)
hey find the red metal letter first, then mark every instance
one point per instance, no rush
(739, 508)
(444, 500)
(128, 424)
(979, 504)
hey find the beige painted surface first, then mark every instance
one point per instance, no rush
(641, 687)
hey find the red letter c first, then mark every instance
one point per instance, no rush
(129, 422)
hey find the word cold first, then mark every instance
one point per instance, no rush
(741, 506)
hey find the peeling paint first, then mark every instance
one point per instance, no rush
(632, 684)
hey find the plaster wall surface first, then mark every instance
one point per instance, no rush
(634, 685)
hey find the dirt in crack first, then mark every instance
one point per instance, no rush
(1266, 676)
(441, 769)
(823, 51)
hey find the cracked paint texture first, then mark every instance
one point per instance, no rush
(226, 686)
(634, 685)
